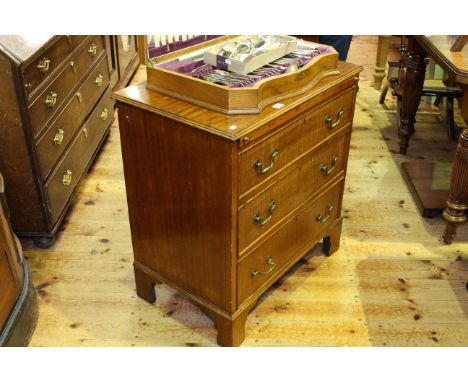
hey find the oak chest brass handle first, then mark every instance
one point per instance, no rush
(328, 170)
(92, 50)
(103, 114)
(85, 133)
(332, 124)
(67, 178)
(259, 220)
(58, 138)
(269, 261)
(323, 219)
(51, 99)
(43, 65)
(98, 80)
(258, 165)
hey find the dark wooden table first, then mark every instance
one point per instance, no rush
(455, 64)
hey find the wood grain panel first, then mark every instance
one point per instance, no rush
(63, 85)
(77, 158)
(180, 195)
(69, 121)
(22, 192)
(284, 245)
(291, 190)
(293, 141)
(56, 53)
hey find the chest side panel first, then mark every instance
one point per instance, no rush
(179, 183)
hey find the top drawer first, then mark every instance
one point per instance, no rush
(274, 153)
(58, 90)
(40, 69)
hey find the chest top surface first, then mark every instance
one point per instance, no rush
(23, 48)
(232, 127)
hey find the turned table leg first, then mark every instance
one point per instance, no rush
(411, 92)
(457, 204)
(381, 60)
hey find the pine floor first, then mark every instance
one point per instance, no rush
(392, 283)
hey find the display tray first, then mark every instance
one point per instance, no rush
(185, 75)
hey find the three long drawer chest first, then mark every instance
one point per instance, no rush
(221, 206)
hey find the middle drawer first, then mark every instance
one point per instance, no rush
(54, 142)
(267, 209)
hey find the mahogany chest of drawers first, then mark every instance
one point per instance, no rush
(220, 205)
(55, 109)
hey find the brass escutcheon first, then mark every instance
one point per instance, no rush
(72, 66)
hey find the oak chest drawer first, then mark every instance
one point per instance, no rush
(267, 260)
(55, 94)
(54, 142)
(40, 69)
(273, 154)
(274, 203)
(67, 174)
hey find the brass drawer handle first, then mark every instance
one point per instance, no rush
(259, 165)
(269, 261)
(92, 50)
(323, 219)
(332, 124)
(80, 97)
(67, 178)
(43, 65)
(98, 80)
(51, 99)
(103, 114)
(328, 170)
(257, 219)
(85, 133)
(58, 138)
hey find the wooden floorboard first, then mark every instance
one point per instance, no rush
(392, 283)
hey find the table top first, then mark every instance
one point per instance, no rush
(232, 127)
(454, 63)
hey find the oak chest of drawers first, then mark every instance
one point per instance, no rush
(220, 205)
(56, 110)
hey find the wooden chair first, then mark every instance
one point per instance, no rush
(395, 75)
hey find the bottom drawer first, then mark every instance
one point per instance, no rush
(67, 174)
(266, 261)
